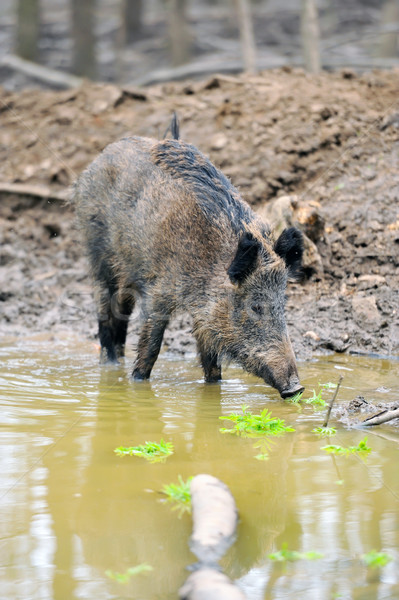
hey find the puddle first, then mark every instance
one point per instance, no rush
(72, 509)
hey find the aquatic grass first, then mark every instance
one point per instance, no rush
(376, 560)
(131, 572)
(151, 451)
(324, 431)
(285, 555)
(250, 425)
(179, 494)
(362, 449)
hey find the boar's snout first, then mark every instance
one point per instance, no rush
(294, 388)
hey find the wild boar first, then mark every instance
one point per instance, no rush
(160, 222)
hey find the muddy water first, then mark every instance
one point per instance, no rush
(71, 509)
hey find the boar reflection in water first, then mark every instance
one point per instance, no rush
(160, 222)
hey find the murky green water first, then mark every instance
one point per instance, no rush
(71, 509)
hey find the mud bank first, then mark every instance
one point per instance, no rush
(331, 141)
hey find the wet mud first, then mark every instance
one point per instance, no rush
(328, 143)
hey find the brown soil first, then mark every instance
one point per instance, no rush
(333, 140)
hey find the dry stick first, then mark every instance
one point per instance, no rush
(382, 417)
(332, 401)
(39, 191)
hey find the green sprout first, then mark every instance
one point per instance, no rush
(315, 400)
(285, 555)
(151, 451)
(249, 425)
(179, 494)
(362, 448)
(296, 399)
(328, 386)
(131, 572)
(324, 431)
(376, 560)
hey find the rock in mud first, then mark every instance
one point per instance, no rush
(289, 211)
(365, 311)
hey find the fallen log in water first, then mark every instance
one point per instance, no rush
(209, 584)
(214, 523)
(382, 417)
(214, 517)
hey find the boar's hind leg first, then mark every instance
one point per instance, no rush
(113, 316)
(105, 326)
(209, 362)
(149, 346)
(120, 320)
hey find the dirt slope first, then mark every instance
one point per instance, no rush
(332, 140)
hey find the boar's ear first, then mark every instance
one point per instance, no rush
(290, 247)
(245, 259)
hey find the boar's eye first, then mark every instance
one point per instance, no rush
(257, 309)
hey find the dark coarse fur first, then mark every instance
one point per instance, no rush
(162, 223)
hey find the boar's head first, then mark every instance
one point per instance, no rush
(256, 330)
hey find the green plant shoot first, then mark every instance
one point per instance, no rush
(324, 431)
(179, 494)
(296, 399)
(376, 560)
(315, 400)
(151, 451)
(285, 555)
(131, 572)
(249, 425)
(362, 448)
(328, 386)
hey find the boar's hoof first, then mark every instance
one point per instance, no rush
(138, 376)
(296, 389)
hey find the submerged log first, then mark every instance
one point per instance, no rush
(214, 523)
(382, 417)
(214, 517)
(208, 584)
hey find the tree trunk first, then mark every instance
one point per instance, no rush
(247, 34)
(83, 62)
(133, 13)
(28, 29)
(388, 45)
(179, 37)
(310, 36)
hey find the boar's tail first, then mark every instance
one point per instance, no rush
(174, 128)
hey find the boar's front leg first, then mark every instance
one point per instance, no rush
(149, 345)
(209, 362)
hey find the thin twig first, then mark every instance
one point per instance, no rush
(332, 401)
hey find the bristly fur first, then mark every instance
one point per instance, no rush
(216, 196)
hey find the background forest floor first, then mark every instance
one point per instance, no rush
(332, 140)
